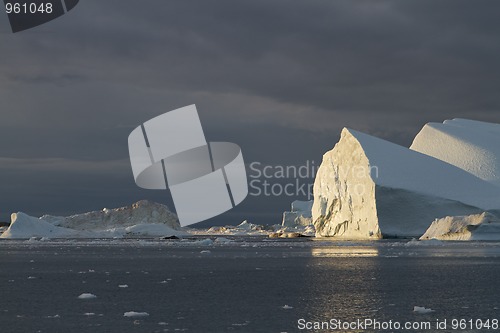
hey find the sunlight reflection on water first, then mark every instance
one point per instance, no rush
(326, 252)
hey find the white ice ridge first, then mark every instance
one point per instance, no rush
(141, 218)
(367, 187)
(473, 146)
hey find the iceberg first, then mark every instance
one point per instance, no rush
(300, 215)
(467, 144)
(143, 218)
(483, 226)
(25, 226)
(367, 188)
(141, 212)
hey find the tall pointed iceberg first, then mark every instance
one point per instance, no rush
(367, 187)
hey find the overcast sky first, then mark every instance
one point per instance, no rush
(278, 77)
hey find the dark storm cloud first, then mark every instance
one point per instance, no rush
(280, 78)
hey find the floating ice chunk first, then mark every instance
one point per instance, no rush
(422, 310)
(245, 225)
(54, 316)
(244, 228)
(300, 215)
(222, 240)
(203, 242)
(283, 234)
(430, 242)
(152, 229)
(483, 226)
(133, 314)
(87, 296)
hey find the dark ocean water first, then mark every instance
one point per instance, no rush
(250, 285)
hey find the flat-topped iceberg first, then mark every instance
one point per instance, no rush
(367, 187)
(473, 146)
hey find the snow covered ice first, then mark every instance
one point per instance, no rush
(467, 144)
(367, 187)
